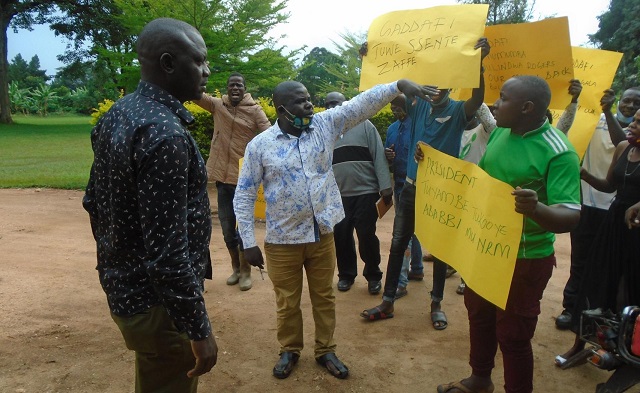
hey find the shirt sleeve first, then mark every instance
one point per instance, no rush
(244, 201)
(377, 153)
(162, 203)
(486, 118)
(207, 102)
(563, 180)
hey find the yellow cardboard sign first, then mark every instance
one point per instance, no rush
(535, 48)
(429, 46)
(595, 69)
(467, 219)
(260, 209)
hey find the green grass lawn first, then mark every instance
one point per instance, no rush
(52, 152)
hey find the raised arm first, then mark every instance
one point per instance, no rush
(477, 95)
(568, 116)
(616, 132)
(607, 184)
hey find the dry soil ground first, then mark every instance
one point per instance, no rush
(56, 334)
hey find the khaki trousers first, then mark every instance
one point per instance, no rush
(163, 354)
(285, 263)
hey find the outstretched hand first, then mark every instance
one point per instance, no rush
(607, 100)
(253, 256)
(483, 44)
(364, 49)
(412, 90)
(575, 88)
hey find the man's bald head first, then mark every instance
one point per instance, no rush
(172, 55)
(334, 99)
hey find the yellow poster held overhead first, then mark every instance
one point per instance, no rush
(260, 210)
(535, 48)
(429, 46)
(467, 219)
(595, 69)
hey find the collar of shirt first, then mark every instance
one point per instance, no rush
(162, 96)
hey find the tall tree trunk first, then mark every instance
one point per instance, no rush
(5, 103)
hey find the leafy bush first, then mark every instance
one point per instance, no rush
(201, 129)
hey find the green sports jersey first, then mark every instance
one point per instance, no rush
(542, 160)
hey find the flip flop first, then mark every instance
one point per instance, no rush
(335, 367)
(459, 386)
(374, 314)
(439, 320)
(575, 360)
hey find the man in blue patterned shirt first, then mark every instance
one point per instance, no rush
(149, 209)
(292, 160)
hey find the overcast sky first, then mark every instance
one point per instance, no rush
(315, 25)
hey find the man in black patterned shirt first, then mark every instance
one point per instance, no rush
(149, 209)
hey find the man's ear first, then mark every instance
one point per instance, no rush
(166, 63)
(528, 107)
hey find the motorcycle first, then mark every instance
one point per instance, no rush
(615, 346)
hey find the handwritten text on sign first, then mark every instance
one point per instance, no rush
(595, 69)
(430, 46)
(467, 219)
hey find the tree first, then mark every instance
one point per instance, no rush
(26, 75)
(506, 11)
(17, 14)
(234, 31)
(314, 75)
(618, 30)
(348, 70)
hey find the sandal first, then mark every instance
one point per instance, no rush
(335, 367)
(374, 314)
(460, 387)
(439, 320)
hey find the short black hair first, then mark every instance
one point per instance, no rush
(236, 74)
(536, 90)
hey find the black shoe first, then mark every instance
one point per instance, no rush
(344, 285)
(415, 276)
(285, 365)
(563, 321)
(375, 287)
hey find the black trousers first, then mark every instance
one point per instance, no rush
(361, 215)
(582, 238)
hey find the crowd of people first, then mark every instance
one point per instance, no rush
(323, 176)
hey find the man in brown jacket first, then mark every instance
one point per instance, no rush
(237, 118)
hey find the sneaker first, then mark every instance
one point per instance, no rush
(415, 276)
(461, 288)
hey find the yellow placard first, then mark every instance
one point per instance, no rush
(260, 209)
(535, 48)
(467, 219)
(595, 69)
(429, 46)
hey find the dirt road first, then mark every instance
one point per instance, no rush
(56, 334)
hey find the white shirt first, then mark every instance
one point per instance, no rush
(303, 200)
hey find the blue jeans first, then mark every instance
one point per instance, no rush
(226, 215)
(413, 260)
(403, 230)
